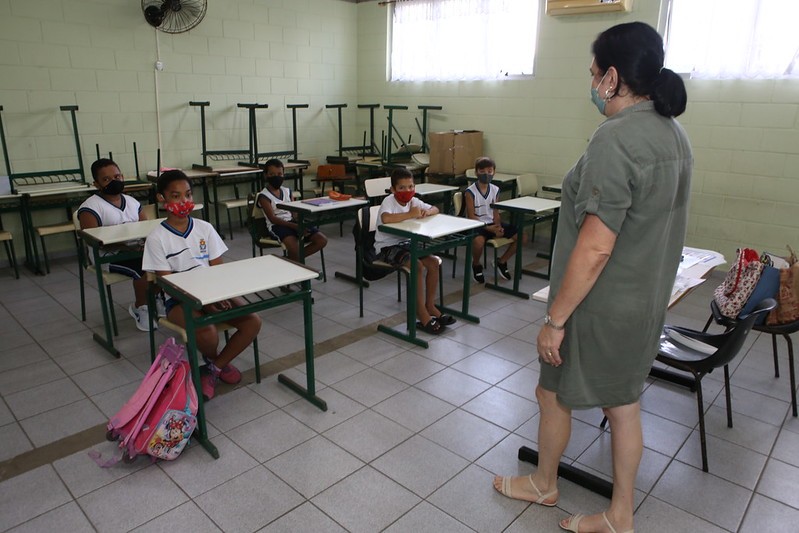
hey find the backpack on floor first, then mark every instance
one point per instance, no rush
(160, 416)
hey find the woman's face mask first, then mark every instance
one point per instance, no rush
(600, 102)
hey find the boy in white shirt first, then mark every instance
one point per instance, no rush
(182, 243)
(281, 222)
(110, 207)
(477, 200)
(396, 207)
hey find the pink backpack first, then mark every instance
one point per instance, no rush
(160, 417)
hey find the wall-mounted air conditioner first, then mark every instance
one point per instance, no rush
(581, 7)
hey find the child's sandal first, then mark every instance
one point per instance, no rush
(446, 320)
(432, 327)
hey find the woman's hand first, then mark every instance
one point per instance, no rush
(548, 344)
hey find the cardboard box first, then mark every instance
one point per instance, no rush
(452, 152)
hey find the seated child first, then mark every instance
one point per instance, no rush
(477, 200)
(182, 243)
(396, 207)
(110, 207)
(281, 222)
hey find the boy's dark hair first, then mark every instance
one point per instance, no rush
(272, 163)
(101, 163)
(484, 162)
(400, 174)
(165, 179)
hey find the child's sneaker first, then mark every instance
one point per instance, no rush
(477, 271)
(503, 270)
(160, 305)
(140, 315)
(229, 373)
(208, 383)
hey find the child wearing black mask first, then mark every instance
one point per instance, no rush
(281, 222)
(110, 207)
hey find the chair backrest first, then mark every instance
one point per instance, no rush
(527, 185)
(331, 171)
(471, 173)
(150, 211)
(377, 187)
(457, 203)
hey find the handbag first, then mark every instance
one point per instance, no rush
(740, 282)
(787, 309)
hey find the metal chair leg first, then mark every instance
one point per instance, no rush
(257, 360)
(702, 437)
(792, 372)
(774, 352)
(111, 309)
(727, 394)
(324, 271)
(44, 254)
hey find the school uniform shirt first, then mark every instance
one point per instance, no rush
(482, 204)
(285, 196)
(107, 214)
(391, 205)
(168, 250)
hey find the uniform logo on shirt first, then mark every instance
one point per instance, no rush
(203, 249)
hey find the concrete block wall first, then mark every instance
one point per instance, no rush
(101, 54)
(745, 133)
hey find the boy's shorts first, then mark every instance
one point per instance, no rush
(395, 255)
(509, 232)
(130, 268)
(281, 232)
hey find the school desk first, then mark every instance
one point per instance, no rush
(427, 236)
(427, 190)
(111, 244)
(203, 286)
(525, 211)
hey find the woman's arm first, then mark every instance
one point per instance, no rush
(594, 245)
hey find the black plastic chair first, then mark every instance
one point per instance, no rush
(780, 329)
(700, 353)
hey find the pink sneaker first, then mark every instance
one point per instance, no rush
(208, 382)
(230, 375)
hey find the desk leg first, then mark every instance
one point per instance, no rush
(201, 433)
(518, 221)
(552, 234)
(308, 393)
(216, 206)
(31, 246)
(108, 341)
(410, 300)
(569, 472)
(463, 312)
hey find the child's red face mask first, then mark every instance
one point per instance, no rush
(180, 209)
(404, 196)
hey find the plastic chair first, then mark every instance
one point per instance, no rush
(224, 327)
(85, 265)
(778, 329)
(377, 188)
(331, 173)
(700, 353)
(53, 229)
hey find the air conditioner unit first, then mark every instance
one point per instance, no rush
(581, 7)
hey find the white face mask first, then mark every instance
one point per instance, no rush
(599, 102)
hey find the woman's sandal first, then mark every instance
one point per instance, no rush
(505, 490)
(573, 524)
(432, 327)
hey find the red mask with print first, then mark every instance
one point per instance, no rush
(404, 197)
(180, 209)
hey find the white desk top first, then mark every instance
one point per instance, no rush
(435, 226)
(529, 203)
(687, 279)
(191, 173)
(301, 205)
(46, 189)
(423, 189)
(498, 176)
(122, 232)
(248, 276)
(235, 171)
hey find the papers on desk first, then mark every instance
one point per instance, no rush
(319, 201)
(707, 259)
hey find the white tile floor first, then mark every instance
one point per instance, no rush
(410, 441)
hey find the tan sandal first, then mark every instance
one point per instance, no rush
(573, 524)
(505, 490)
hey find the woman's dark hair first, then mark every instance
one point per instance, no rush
(165, 179)
(636, 51)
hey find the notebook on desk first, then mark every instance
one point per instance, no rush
(318, 201)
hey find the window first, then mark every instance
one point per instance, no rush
(463, 39)
(721, 39)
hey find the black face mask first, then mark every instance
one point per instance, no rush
(274, 181)
(114, 187)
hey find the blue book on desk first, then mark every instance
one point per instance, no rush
(319, 201)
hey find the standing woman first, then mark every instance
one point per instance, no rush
(620, 235)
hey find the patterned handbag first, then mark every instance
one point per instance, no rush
(740, 282)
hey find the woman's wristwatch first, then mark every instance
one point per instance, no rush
(548, 322)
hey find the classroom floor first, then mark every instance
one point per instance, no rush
(410, 442)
